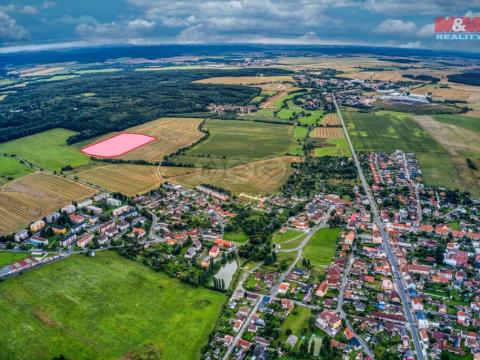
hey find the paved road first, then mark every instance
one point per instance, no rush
(386, 244)
(274, 289)
(340, 310)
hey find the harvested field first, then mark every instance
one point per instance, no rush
(33, 196)
(170, 133)
(375, 75)
(125, 178)
(245, 80)
(452, 92)
(259, 177)
(331, 119)
(327, 132)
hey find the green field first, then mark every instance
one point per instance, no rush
(333, 147)
(321, 247)
(388, 132)
(234, 142)
(236, 236)
(11, 168)
(297, 320)
(463, 121)
(315, 117)
(7, 258)
(47, 150)
(105, 307)
(289, 235)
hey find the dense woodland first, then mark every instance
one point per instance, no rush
(120, 100)
(469, 78)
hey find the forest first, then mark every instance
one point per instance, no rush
(116, 101)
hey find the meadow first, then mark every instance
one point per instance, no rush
(125, 178)
(321, 247)
(35, 195)
(234, 142)
(236, 236)
(84, 308)
(11, 168)
(258, 177)
(7, 258)
(466, 122)
(288, 236)
(47, 150)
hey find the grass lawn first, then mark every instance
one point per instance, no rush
(289, 235)
(297, 320)
(7, 257)
(321, 247)
(236, 236)
(47, 149)
(233, 142)
(84, 308)
(315, 117)
(336, 147)
(11, 168)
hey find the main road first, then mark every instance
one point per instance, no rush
(399, 281)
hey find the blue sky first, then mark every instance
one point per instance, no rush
(47, 24)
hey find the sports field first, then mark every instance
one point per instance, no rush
(33, 196)
(170, 134)
(234, 142)
(258, 177)
(47, 150)
(11, 168)
(125, 178)
(321, 247)
(84, 308)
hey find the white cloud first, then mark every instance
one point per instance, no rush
(9, 29)
(426, 31)
(89, 27)
(417, 7)
(141, 24)
(29, 9)
(394, 26)
(48, 4)
(411, 45)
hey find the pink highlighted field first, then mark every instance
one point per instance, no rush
(117, 145)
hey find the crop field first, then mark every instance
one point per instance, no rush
(11, 168)
(245, 80)
(321, 247)
(33, 196)
(460, 143)
(373, 132)
(125, 178)
(47, 150)
(170, 133)
(84, 308)
(451, 91)
(466, 122)
(389, 131)
(258, 177)
(233, 142)
(375, 75)
(327, 132)
(331, 119)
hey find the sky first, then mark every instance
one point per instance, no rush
(57, 24)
